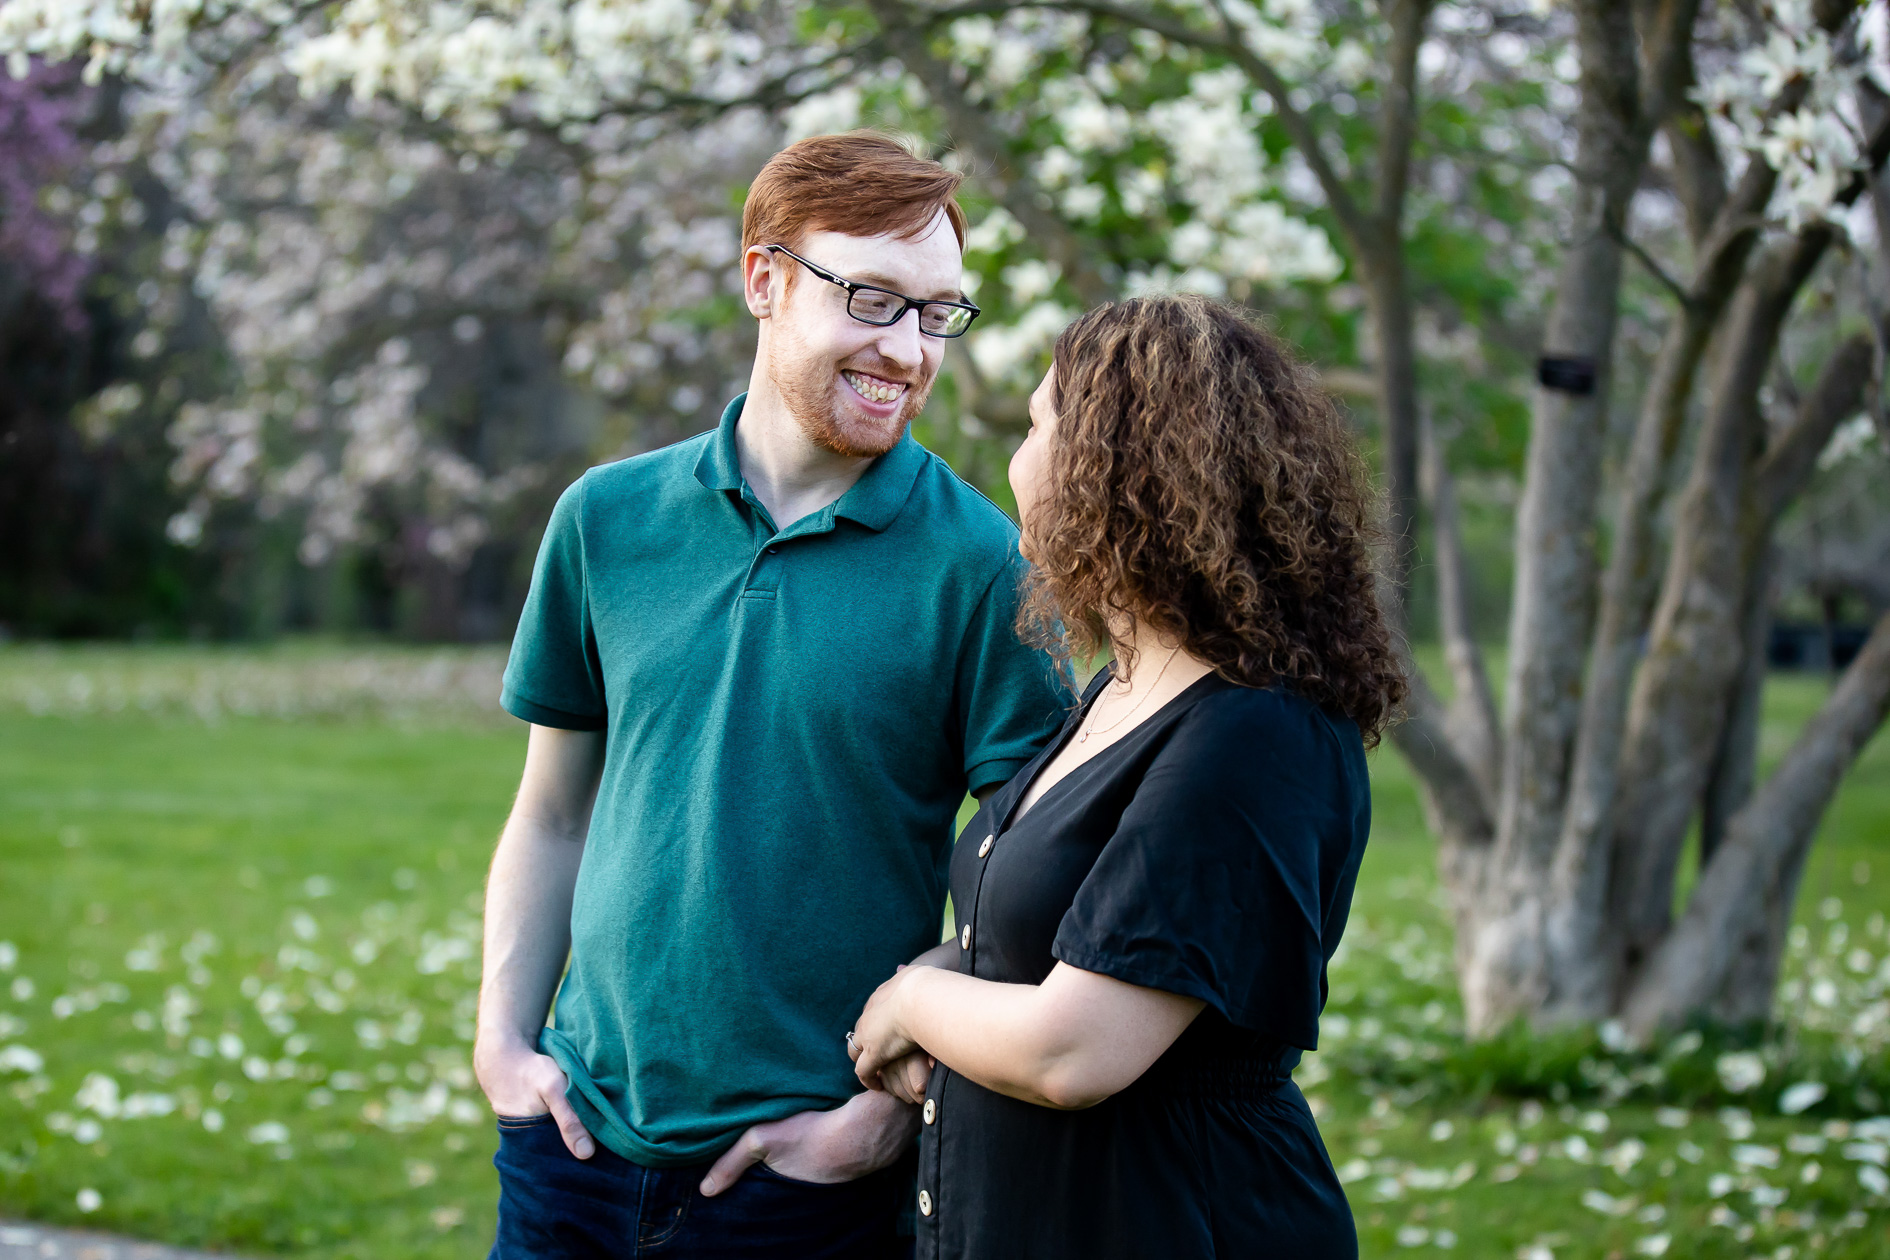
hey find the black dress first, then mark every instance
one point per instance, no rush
(1210, 852)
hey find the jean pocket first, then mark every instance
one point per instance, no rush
(775, 1175)
(510, 1123)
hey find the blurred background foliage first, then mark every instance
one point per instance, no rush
(280, 361)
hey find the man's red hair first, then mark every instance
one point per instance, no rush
(861, 183)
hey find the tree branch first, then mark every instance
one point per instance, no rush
(908, 35)
(1766, 842)
(1353, 221)
(1666, 279)
(1459, 808)
(1836, 397)
(1471, 719)
(1397, 127)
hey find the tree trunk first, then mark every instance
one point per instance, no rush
(1507, 968)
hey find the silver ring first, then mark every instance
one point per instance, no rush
(849, 1037)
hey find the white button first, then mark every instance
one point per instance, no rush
(986, 846)
(964, 938)
(931, 1111)
(925, 1204)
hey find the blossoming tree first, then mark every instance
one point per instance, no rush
(1494, 183)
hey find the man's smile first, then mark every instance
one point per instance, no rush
(873, 388)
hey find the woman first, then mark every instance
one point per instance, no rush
(1145, 912)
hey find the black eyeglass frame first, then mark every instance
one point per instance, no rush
(908, 303)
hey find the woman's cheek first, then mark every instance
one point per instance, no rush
(1023, 477)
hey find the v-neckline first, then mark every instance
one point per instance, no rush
(1072, 724)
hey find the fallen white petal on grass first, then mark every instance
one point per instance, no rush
(21, 1059)
(1750, 1156)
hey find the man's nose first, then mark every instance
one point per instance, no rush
(900, 342)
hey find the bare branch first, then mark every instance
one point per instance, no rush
(1461, 814)
(1397, 127)
(1681, 293)
(1836, 397)
(1471, 719)
(1699, 172)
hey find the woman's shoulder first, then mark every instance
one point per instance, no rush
(1269, 715)
(1247, 734)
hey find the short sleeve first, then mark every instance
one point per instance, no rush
(1230, 872)
(1011, 697)
(553, 677)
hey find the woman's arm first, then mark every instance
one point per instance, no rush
(1069, 1042)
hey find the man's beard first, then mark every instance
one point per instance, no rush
(807, 386)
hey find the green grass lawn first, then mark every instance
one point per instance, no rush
(238, 956)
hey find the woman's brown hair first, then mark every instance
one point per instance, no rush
(1202, 484)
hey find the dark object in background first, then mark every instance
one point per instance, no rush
(1808, 645)
(1570, 375)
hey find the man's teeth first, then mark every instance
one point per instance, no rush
(875, 391)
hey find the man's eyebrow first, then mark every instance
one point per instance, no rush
(887, 282)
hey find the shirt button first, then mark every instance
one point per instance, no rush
(964, 938)
(925, 1203)
(986, 846)
(931, 1111)
(773, 550)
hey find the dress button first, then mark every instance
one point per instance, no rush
(773, 550)
(964, 938)
(931, 1111)
(925, 1204)
(986, 846)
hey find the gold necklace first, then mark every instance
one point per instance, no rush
(1082, 736)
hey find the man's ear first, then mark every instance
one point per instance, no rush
(758, 281)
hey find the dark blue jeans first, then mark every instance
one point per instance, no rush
(554, 1206)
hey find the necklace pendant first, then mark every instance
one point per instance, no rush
(1083, 737)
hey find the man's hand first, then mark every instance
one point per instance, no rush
(521, 1082)
(907, 1079)
(865, 1134)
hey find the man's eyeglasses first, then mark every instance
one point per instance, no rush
(871, 304)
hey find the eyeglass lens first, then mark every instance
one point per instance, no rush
(874, 306)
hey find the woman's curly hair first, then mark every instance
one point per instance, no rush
(1201, 483)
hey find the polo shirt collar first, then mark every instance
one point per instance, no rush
(874, 501)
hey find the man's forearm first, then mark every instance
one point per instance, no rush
(527, 931)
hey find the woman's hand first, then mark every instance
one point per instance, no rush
(879, 1038)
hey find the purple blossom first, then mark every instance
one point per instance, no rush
(39, 145)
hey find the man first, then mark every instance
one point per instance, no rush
(762, 668)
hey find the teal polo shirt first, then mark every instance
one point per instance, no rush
(792, 719)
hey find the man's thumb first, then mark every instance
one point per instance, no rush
(735, 1161)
